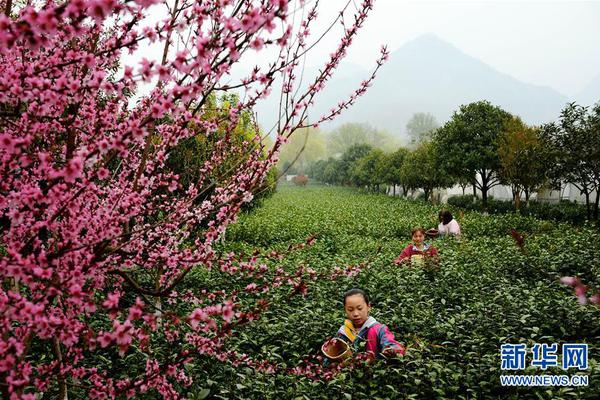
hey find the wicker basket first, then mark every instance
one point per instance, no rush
(336, 350)
(432, 233)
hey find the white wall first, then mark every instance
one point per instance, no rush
(501, 192)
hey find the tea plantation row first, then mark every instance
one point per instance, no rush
(488, 292)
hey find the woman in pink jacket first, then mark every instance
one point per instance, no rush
(418, 252)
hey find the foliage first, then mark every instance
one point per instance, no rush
(305, 147)
(393, 166)
(487, 293)
(421, 170)
(575, 146)
(420, 128)
(369, 170)
(349, 159)
(348, 135)
(300, 180)
(563, 211)
(316, 170)
(523, 158)
(468, 144)
(101, 235)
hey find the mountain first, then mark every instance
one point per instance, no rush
(428, 74)
(590, 94)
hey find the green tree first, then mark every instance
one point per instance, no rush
(188, 158)
(316, 170)
(420, 127)
(421, 170)
(523, 159)
(468, 145)
(369, 170)
(392, 164)
(305, 147)
(575, 144)
(332, 173)
(349, 159)
(351, 134)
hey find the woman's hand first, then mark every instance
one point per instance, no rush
(400, 261)
(391, 352)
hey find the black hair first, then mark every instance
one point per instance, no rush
(446, 216)
(356, 291)
(415, 230)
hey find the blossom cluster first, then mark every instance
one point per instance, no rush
(97, 234)
(580, 290)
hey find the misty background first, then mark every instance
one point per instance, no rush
(529, 57)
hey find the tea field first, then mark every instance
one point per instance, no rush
(488, 292)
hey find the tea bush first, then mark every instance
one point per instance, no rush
(488, 292)
(563, 211)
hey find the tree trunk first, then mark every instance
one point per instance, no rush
(484, 197)
(484, 190)
(587, 205)
(62, 384)
(158, 300)
(527, 193)
(517, 199)
(596, 203)
(8, 7)
(394, 190)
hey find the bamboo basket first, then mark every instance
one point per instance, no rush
(336, 350)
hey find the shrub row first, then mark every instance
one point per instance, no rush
(564, 211)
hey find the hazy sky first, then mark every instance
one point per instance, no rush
(549, 43)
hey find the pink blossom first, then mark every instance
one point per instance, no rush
(105, 339)
(227, 314)
(569, 280)
(103, 173)
(197, 316)
(112, 300)
(73, 170)
(580, 290)
(92, 205)
(257, 44)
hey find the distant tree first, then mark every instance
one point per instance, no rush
(369, 170)
(463, 182)
(333, 173)
(421, 170)
(349, 159)
(187, 158)
(351, 134)
(300, 180)
(287, 168)
(523, 159)
(393, 164)
(468, 145)
(575, 144)
(316, 170)
(420, 127)
(303, 149)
